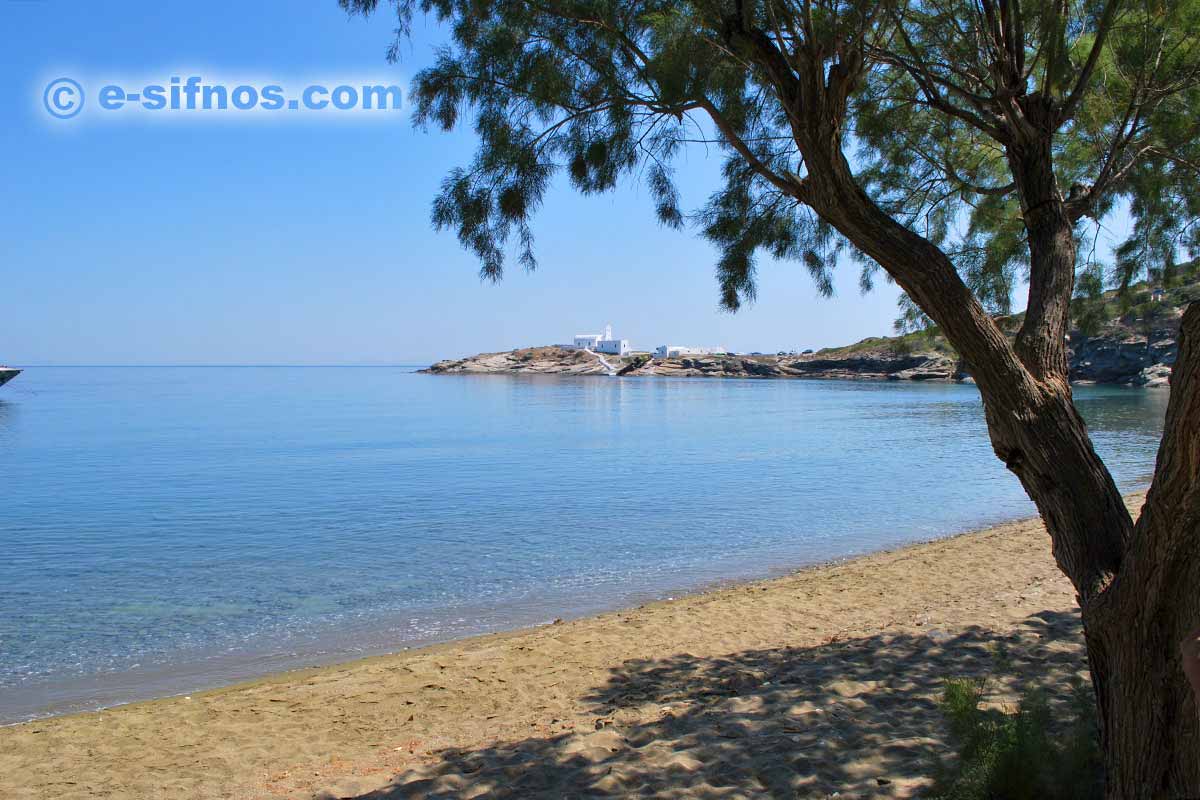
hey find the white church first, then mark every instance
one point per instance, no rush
(602, 342)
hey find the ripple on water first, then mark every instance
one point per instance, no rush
(172, 528)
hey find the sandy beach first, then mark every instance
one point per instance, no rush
(818, 682)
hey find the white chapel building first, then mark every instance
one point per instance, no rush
(602, 342)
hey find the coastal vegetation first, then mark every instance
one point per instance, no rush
(1095, 311)
(1126, 321)
(961, 148)
(1044, 748)
(1124, 312)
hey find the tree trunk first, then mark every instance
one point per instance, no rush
(1041, 341)
(1033, 423)
(1149, 728)
(1139, 586)
(1045, 443)
(1149, 717)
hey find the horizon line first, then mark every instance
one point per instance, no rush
(208, 365)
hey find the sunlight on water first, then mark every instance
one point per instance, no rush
(171, 528)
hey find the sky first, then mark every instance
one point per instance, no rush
(166, 239)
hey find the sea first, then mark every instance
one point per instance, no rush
(169, 529)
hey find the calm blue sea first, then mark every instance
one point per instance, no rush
(168, 529)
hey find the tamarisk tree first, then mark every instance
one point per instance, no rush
(964, 147)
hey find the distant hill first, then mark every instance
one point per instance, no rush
(1117, 337)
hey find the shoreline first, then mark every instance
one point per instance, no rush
(359, 723)
(1099, 361)
(237, 673)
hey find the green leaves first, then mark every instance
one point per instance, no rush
(666, 196)
(601, 91)
(1045, 748)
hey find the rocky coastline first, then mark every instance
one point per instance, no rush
(1144, 360)
(559, 361)
(1130, 360)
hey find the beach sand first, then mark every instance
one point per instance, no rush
(823, 681)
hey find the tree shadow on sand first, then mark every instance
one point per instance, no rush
(859, 717)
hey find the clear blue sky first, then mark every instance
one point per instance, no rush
(154, 242)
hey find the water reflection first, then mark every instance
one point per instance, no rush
(8, 418)
(1116, 409)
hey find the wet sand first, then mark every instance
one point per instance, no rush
(818, 682)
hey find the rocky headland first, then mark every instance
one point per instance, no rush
(1114, 358)
(875, 365)
(1130, 340)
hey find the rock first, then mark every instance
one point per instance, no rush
(542, 360)
(1123, 359)
(1120, 356)
(1154, 375)
(935, 369)
(879, 364)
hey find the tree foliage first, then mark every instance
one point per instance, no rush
(605, 90)
(958, 145)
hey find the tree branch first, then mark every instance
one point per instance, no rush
(1107, 18)
(789, 184)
